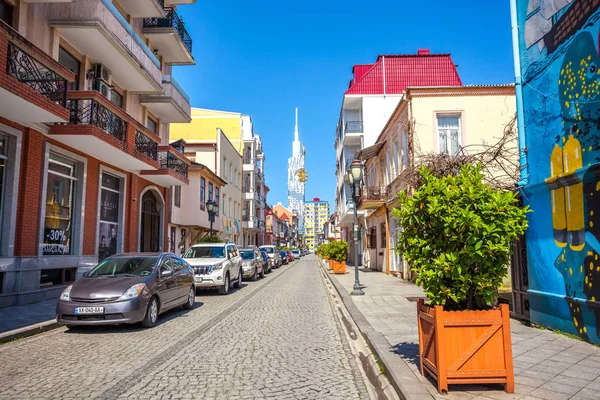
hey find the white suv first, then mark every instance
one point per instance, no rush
(216, 265)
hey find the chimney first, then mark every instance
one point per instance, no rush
(423, 52)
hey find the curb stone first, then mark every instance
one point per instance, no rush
(27, 331)
(407, 384)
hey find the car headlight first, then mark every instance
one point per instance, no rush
(133, 292)
(216, 267)
(246, 265)
(66, 294)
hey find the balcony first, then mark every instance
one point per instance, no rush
(172, 106)
(172, 168)
(353, 131)
(104, 131)
(372, 197)
(143, 8)
(169, 37)
(98, 30)
(33, 86)
(249, 222)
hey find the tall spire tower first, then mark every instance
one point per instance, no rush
(296, 178)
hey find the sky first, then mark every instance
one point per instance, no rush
(266, 58)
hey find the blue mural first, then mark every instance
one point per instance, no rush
(561, 94)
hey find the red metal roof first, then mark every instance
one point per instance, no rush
(402, 70)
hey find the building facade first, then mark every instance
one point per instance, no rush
(189, 220)
(253, 188)
(297, 177)
(289, 220)
(373, 94)
(86, 99)
(434, 120)
(556, 67)
(316, 214)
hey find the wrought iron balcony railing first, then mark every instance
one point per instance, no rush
(168, 160)
(145, 145)
(354, 127)
(171, 20)
(91, 112)
(37, 76)
(373, 194)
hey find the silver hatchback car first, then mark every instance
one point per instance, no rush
(128, 288)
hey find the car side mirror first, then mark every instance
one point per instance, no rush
(166, 273)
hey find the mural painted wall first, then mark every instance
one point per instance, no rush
(561, 92)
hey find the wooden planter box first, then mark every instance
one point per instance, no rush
(465, 347)
(338, 267)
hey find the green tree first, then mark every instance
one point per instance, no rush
(457, 234)
(210, 239)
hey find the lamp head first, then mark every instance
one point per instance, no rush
(357, 169)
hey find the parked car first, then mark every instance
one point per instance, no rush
(216, 265)
(266, 261)
(128, 288)
(296, 254)
(252, 263)
(284, 257)
(290, 256)
(274, 257)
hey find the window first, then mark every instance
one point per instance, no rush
(70, 63)
(6, 12)
(448, 134)
(60, 192)
(177, 196)
(59, 276)
(202, 193)
(229, 207)
(210, 191)
(110, 210)
(217, 198)
(224, 168)
(151, 125)
(383, 241)
(224, 207)
(395, 169)
(116, 98)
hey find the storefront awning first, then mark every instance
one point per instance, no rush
(369, 152)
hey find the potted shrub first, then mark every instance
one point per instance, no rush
(457, 234)
(337, 252)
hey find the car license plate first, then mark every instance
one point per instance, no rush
(199, 279)
(89, 310)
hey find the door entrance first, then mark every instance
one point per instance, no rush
(150, 224)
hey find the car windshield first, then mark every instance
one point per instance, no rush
(205, 252)
(269, 250)
(132, 266)
(296, 251)
(247, 255)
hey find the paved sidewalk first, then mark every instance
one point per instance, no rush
(547, 365)
(18, 317)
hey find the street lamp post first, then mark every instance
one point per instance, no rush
(213, 208)
(354, 177)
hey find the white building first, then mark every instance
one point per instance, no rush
(296, 178)
(372, 96)
(253, 187)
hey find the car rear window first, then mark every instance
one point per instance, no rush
(269, 250)
(205, 252)
(137, 266)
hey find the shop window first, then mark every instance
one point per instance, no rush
(6, 12)
(59, 276)
(71, 63)
(60, 200)
(110, 211)
(177, 196)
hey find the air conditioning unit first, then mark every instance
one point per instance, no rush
(102, 73)
(103, 88)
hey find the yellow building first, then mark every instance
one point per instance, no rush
(440, 120)
(316, 214)
(204, 124)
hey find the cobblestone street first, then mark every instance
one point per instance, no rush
(276, 338)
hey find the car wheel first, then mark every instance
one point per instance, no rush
(262, 273)
(255, 274)
(238, 283)
(189, 304)
(151, 314)
(225, 288)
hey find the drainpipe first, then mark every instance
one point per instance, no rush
(519, 96)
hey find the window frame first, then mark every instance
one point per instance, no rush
(154, 121)
(202, 193)
(177, 196)
(217, 200)
(75, 84)
(458, 116)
